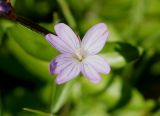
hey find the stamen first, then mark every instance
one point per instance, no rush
(79, 55)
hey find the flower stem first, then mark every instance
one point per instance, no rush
(7, 11)
(53, 90)
(31, 25)
(56, 92)
(59, 95)
(67, 13)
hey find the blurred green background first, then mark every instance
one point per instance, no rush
(133, 51)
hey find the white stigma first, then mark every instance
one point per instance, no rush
(79, 55)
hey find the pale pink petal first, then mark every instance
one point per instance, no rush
(68, 73)
(98, 45)
(58, 43)
(98, 63)
(95, 39)
(60, 63)
(89, 72)
(66, 34)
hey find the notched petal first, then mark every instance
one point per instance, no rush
(95, 39)
(58, 43)
(60, 63)
(70, 72)
(66, 34)
(89, 72)
(98, 63)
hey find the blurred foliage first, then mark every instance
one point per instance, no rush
(133, 51)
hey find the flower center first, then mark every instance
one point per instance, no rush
(80, 55)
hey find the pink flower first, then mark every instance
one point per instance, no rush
(78, 56)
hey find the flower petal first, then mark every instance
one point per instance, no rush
(95, 39)
(66, 34)
(58, 43)
(68, 73)
(52, 67)
(98, 63)
(60, 63)
(89, 72)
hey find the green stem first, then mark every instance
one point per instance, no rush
(32, 25)
(9, 13)
(53, 91)
(67, 13)
(56, 92)
(59, 95)
(37, 112)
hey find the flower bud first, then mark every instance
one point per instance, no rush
(5, 8)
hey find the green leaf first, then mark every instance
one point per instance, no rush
(36, 112)
(32, 43)
(40, 68)
(32, 64)
(1, 35)
(118, 54)
(136, 106)
(63, 4)
(111, 94)
(59, 96)
(5, 24)
(88, 108)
